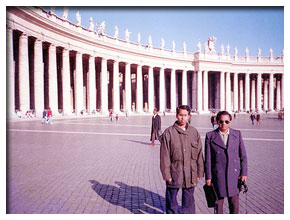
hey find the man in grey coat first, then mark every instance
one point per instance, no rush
(181, 162)
(225, 162)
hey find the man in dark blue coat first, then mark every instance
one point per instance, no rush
(156, 127)
(225, 162)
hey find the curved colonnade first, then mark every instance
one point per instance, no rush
(55, 63)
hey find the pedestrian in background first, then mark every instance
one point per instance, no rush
(181, 162)
(258, 118)
(252, 117)
(44, 118)
(49, 116)
(225, 162)
(155, 127)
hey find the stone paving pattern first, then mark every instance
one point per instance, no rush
(91, 165)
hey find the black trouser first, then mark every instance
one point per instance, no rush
(188, 203)
(233, 205)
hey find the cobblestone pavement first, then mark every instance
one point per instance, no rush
(92, 165)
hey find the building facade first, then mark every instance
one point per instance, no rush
(54, 63)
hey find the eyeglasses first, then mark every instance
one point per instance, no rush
(226, 121)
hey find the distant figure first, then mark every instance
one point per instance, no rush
(155, 128)
(18, 113)
(111, 115)
(44, 117)
(213, 121)
(127, 115)
(49, 116)
(164, 113)
(258, 118)
(117, 117)
(235, 115)
(252, 117)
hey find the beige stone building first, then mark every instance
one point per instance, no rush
(55, 63)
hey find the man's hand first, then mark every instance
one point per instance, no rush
(244, 178)
(169, 180)
(208, 182)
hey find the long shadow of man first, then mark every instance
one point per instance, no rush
(136, 199)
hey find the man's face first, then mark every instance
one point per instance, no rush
(154, 112)
(224, 123)
(182, 117)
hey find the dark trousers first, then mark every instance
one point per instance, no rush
(233, 205)
(188, 203)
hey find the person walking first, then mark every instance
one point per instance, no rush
(181, 162)
(44, 118)
(155, 127)
(258, 118)
(225, 162)
(49, 116)
(252, 117)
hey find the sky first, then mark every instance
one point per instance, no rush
(242, 27)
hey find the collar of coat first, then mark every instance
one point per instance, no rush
(180, 130)
(217, 139)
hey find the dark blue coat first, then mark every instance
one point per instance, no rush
(224, 164)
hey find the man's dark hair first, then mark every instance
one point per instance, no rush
(185, 107)
(223, 113)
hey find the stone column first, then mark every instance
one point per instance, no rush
(184, 87)
(253, 94)
(92, 85)
(66, 87)
(199, 91)
(271, 92)
(150, 89)
(10, 75)
(173, 91)
(228, 91)
(128, 87)
(265, 95)
(194, 90)
(38, 78)
(282, 91)
(23, 74)
(52, 79)
(222, 90)
(79, 98)
(104, 87)
(247, 92)
(278, 97)
(259, 92)
(205, 91)
(236, 93)
(162, 89)
(241, 95)
(116, 88)
(139, 90)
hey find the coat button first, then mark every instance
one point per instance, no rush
(236, 170)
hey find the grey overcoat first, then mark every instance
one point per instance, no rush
(224, 164)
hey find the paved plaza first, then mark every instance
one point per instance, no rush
(92, 165)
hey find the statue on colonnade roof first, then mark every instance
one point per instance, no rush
(92, 26)
(78, 18)
(211, 43)
(65, 13)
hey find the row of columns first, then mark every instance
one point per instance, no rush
(200, 78)
(244, 91)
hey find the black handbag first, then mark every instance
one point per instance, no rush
(210, 195)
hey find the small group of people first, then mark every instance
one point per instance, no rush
(256, 117)
(111, 116)
(47, 116)
(183, 164)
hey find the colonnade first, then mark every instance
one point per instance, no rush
(43, 74)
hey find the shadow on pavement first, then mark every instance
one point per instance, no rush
(136, 199)
(138, 142)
